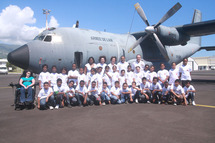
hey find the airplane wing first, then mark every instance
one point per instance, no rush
(208, 48)
(198, 29)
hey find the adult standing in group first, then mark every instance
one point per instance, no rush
(112, 63)
(138, 62)
(102, 63)
(184, 72)
(91, 64)
(122, 65)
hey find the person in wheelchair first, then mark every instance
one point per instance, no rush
(27, 81)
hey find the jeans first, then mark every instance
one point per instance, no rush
(142, 97)
(157, 95)
(166, 97)
(71, 100)
(43, 102)
(58, 98)
(105, 97)
(115, 100)
(190, 96)
(125, 97)
(80, 99)
(29, 96)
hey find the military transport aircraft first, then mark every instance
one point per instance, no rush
(64, 46)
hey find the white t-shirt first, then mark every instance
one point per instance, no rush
(115, 90)
(122, 66)
(73, 73)
(60, 89)
(94, 92)
(44, 77)
(106, 89)
(122, 79)
(162, 74)
(92, 78)
(156, 86)
(111, 67)
(124, 90)
(53, 78)
(144, 86)
(173, 75)
(107, 79)
(81, 89)
(102, 65)
(89, 67)
(133, 91)
(141, 64)
(138, 77)
(177, 89)
(188, 88)
(44, 93)
(82, 77)
(164, 89)
(99, 79)
(64, 78)
(130, 77)
(151, 75)
(71, 90)
(115, 77)
(185, 72)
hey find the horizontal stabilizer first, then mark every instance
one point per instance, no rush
(209, 48)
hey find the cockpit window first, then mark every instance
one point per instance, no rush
(48, 38)
(39, 37)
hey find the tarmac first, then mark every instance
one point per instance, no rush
(112, 123)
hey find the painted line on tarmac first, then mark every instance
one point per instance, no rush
(4, 87)
(208, 106)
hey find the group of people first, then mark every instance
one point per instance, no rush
(102, 84)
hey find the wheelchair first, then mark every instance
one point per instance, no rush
(17, 95)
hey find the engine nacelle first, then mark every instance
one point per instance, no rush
(171, 36)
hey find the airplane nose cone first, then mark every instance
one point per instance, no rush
(19, 57)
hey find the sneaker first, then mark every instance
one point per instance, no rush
(193, 103)
(148, 102)
(126, 102)
(51, 108)
(103, 104)
(136, 101)
(159, 102)
(175, 104)
(57, 107)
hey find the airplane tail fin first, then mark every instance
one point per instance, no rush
(197, 17)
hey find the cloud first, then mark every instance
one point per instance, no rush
(16, 25)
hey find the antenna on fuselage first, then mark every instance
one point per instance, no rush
(46, 12)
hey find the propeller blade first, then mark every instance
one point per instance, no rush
(140, 40)
(141, 13)
(170, 13)
(161, 47)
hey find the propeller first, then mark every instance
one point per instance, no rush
(151, 30)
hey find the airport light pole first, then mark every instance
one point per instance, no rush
(46, 12)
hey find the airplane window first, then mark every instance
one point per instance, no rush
(48, 38)
(39, 37)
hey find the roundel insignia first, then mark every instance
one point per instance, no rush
(100, 48)
(133, 51)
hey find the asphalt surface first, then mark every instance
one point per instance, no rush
(112, 123)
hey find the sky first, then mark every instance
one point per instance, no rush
(22, 20)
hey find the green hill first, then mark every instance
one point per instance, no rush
(5, 49)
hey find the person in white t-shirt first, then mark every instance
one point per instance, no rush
(70, 95)
(130, 76)
(105, 94)
(146, 69)
(173, 74)
(91, 64)
(115, 93)
(93, 94)
(125, 94)
(45, 97)
(107, 77)
(151, 74)
(113, 60)
(145, 95)
(73, 75)
(178, 93)
(54, 76)
(139, 63)
(59, 93)
(102, 63)
(63, 76)
(163, 74)
(156, 90)
(135, 92)
(81, 94)
(185, 72)
(92, 77)
(138, 75)
(114, 76)
(99, 77)
(166, 93)
(44, 76)
(122, 65)
(82, 76)
(190, 92)
(122, 78)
